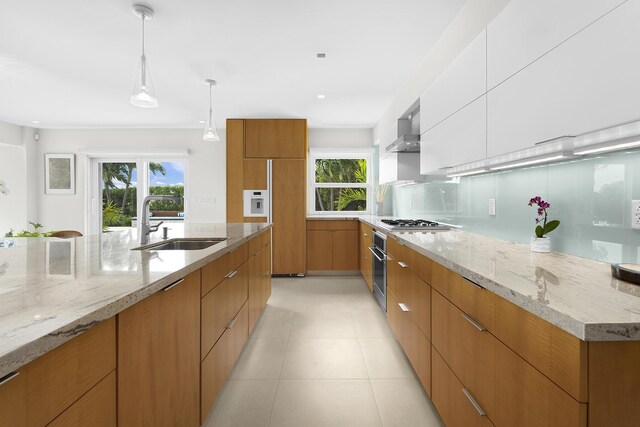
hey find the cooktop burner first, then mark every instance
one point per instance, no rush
(415, 224)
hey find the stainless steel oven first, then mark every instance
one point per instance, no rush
(379, 251)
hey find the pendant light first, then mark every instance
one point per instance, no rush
(210, 130)
(143, 94)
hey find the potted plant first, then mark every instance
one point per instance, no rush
(539, 242)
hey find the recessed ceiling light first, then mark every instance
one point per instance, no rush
(321, 55)
(200, 121)
(35, 122)
(321, 96)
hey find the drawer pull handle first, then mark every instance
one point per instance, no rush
(477, 325)
(233, 322)
(473, 402)
(9, 377)
(402, 264)
(231, 274)
(403, 307)
(174, 284)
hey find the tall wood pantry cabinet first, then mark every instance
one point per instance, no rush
(253, 144)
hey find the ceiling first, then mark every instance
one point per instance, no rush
(71, 63)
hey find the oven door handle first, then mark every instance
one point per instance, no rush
(373, 251)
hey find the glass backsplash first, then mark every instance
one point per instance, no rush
(590, 196)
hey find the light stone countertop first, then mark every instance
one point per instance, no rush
(52, 290)
(578, 295)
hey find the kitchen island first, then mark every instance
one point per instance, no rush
(73, 310)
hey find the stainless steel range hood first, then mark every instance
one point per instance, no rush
(407, 142)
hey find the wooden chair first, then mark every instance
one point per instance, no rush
(66, 234)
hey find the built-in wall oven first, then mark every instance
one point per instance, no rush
(379, 251)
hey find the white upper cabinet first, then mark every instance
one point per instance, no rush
(462, 82)
(591, 81)
(461, 138)
(525, 30)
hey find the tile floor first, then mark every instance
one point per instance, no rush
(322, 354)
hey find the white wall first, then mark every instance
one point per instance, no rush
(13, 206)
(10, 134)
(206, 169)
(340, 138)
(474, 16)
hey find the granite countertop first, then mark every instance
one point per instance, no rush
(52, 290)
(578, 295)
(333, 217)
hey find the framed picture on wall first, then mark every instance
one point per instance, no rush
(60, 174)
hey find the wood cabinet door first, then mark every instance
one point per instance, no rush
(97, 408)
(235, 155)
(13, 400)
(275, 138)
(256, 287)
(453, 400)
(319, 249)
(219, 363)
(344, 250)
(289, 185)
(159, 358)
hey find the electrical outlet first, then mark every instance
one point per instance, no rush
(635, 214)
(206, 200)
(492, 207)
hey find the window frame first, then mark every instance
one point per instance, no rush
(360, 153)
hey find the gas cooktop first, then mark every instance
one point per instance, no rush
(413, 224)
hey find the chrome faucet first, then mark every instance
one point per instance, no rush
(145, 227)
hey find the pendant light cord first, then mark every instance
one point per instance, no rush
(210, 108)
(143, 18)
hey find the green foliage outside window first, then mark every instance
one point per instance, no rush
(341, 171)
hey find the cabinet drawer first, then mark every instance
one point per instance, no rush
(13, 399)
(416, 262)
(255, 244)
(468, 350)
(60, 377)
(506, 387)
(217, 366)
(414, 343)
(557, 354)
(454, 405)
(220, 306)
(214, 272)
(97, 408)
(332, 225)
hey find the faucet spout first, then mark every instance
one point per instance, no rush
(145, 227)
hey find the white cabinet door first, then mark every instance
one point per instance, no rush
(462, 82)
(388, 171)
(525, 30)
(590, 82)
(460, 139)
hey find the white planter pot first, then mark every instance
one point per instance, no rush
(540, 244)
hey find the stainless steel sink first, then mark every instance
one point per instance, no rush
(193, 244)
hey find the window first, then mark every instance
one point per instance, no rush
(340, 182)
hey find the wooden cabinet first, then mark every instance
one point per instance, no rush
(524, 31)
(46, 387)
(366, 262)
(276, 138)
(453, 401)
(459, 139)
(332, 245)
(97, 408)
(259, 280)
(158, 358)
(220, 306)
(462, 82)
(288, 200)
(216, 271)
(218, 364)
(587, 83)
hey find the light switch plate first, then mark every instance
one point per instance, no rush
(635, 214)
(492, 207)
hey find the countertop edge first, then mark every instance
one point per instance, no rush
(596, 332)
(27, 353)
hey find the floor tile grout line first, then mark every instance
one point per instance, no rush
(286, 346)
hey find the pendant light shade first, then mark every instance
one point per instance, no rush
(143, 93)
(210, 130)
